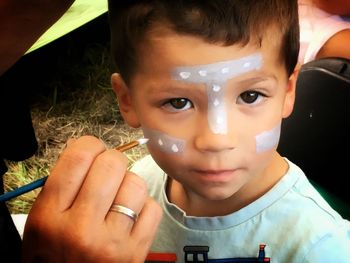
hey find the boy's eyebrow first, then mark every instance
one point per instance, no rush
(177, 86)
(174, 86)
(251, 80)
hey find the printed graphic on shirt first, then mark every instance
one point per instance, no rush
(201, 254)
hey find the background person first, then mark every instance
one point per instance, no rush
(323, 34)
(336, 7)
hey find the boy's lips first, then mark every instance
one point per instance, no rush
(220, 171)
(216, 174)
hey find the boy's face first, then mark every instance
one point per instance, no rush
(212, 113)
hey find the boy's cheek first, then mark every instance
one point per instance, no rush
(268, 140)
(163, 142)
(169, 162)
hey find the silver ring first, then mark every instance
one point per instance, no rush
(124, 210)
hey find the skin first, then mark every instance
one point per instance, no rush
(70, 220)
(338, 7)
(217, 174)
(338, 44)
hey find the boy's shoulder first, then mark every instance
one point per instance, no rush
(303, 206)
(304, 216)
(146, 165)
(306, 197)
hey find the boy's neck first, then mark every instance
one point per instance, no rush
(195, 205)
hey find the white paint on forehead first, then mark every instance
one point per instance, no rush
(164, 142)
(268, 140)
(218, 72)
(215, 77)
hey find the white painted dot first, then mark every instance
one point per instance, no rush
(216, 88)
(247, 64)
(185, 74)
(160, 142)
(174, 148)
(216, 102)
(225, 70)
(202, 73)
(219, 120)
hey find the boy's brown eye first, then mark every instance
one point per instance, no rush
(179, 103)
(249, 96)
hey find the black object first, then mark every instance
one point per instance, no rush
(17, 142)
(317, 136)
(10, 240)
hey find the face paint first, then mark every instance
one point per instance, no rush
(163, 141)
(267, 140)
(215, 77)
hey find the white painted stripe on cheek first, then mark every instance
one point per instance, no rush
(163, 141)
(268, 140)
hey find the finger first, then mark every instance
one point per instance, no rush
(145, 228)
(132, 195)
(101, 185)
(64, 146)
(68, 174)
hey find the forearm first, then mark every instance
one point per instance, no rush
(22, 23)
(336, 46)
(338, 7)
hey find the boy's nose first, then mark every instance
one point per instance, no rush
(208, 141)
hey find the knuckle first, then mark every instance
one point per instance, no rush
(112, 161)
(89, 139)
(76, 158)
(85, 143)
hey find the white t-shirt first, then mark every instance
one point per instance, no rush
(292, 220)
(316, 27)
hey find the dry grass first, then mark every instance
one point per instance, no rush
(79, 103)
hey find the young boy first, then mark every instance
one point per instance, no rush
(209, 82)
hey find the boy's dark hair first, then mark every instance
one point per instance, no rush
(224, 22)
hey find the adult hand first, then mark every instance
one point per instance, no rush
(71, 221)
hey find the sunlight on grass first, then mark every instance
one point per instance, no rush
(19, 174)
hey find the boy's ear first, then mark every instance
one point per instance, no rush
(124, 98)
(290, 95)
